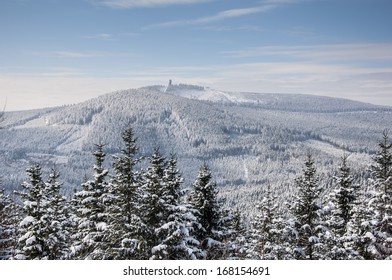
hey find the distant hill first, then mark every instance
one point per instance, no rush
(248, 139)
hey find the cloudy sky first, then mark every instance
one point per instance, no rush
(55, 52)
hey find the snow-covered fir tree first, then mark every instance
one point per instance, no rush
(9, 219)
(239, 242)
(263, 225)
(203, 198)
(359, 241)
(174, 236)
(307, 221)
(268, 230)
(32, 229)
(58, 217)
(153, 205)
(91, 225)
(126, 229)
(341, 203)
(381, 202)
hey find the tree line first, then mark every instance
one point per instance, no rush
(128, 213)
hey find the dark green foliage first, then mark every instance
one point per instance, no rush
(91, 222)
(127, 231)
(307, 221)
(382, 199)
(203, 199)
(9, 220)
(342, 202)
(59, 227)
(31, 234)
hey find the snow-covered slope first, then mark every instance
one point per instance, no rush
(249, 140)
(287, 102)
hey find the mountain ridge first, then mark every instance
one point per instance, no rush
(246, 145)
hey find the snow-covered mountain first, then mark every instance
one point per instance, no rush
(248, 139)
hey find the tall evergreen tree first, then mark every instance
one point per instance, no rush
(203, 198)
(127, 230)
(306, 214)
(382, 200)
(32, 234)
(174, 236)
(58, 229)
(239, 241)
(359, 242)
(88, 238)
(153, 206)
(9, 219)
(263, 223)
(268, 230)
(342, 201)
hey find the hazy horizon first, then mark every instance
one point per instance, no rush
(60, 52)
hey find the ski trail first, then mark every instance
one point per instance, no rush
(246, 171)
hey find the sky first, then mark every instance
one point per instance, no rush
(56, 52)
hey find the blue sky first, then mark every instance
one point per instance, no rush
(56, 52)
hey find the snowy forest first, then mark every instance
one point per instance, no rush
(126, 213)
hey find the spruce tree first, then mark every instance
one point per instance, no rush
(239, 241)
(58, 236)
(262, 224)
(203, 198)
(268, 230)
(342, 201)
(9, 219)
(32, 235)
(174, 236)
(306, 213)
(89, 236)
(126, 231)
(359, 242)
(153, 206)
(382, 199)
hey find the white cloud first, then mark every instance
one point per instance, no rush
(146, 3)
(233, 13)
(334, 52)
(223, 15)
(89, 54)
(101, 36)
(71, 54)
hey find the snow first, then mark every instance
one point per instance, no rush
(206, 93)
(209, 242)
(31, 240)
(101, 226)
(167, 225)
(26, 236)
(221, 133)
(370, 236)
(34, 123)
(246, 171)
(30, 204)
(88, 200)
(158, 248)
(325, 147)
(27, 221)
(313, 239)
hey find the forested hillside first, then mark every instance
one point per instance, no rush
(267, 155)
(147, 214)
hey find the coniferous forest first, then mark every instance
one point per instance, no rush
(130, 213)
